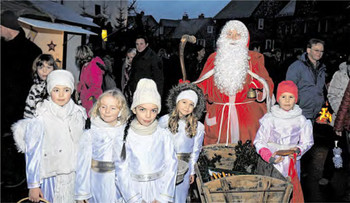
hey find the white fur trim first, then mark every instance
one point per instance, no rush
(19, 129)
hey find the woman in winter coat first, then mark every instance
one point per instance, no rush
(342, 122)
(91, 76)
(337, 87)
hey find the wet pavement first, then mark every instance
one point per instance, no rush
(337, 190)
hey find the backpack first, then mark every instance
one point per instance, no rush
(108, 81)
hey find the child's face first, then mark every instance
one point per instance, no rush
(44, 70)
(286, 101)
(109, 109)
(61, 94)
(146, 113)
(185, 107)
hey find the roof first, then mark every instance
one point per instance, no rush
(46, 10)
(55, 26)
(237, 9)
(288, 10)
(169, 22)
(190, 26)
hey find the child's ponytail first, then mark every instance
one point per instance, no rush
(126, 130)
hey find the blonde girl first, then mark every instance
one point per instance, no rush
(186, 104)
(146, 171)
(50, 141)
(42, 66)
(100, 146)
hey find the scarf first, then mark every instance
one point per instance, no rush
(143, 130)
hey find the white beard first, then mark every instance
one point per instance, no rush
(231, 66)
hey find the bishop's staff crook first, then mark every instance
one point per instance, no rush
(184, 39)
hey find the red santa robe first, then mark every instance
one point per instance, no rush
(245, 113)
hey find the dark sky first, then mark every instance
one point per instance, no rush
(174, 9)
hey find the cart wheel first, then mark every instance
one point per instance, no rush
(27, 198)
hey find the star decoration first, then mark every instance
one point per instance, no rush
(51, 46)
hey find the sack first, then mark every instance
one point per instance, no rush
(108, 82)
(292, 173)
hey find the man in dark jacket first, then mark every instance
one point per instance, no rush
(146, 64)
(308, 73)
(17, 56)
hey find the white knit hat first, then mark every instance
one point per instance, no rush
(60, 77)
(188, 94)
(146, 93)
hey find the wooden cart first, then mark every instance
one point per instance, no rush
(239, 188)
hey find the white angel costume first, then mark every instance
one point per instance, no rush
(50, 143)
(282, 130)
(187, 149)
(99, 148)
(149, 170)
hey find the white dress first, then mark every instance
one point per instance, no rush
(149, 169)
(51, 144)
(101, 143)
(185, 144)
(281, 130)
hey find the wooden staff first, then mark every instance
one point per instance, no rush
(184, 39)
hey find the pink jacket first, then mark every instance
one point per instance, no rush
(89, 86)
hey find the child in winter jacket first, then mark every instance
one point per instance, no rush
(42, 66)
(100, 147)
(186, 103)
(50, 141)
(284, 128)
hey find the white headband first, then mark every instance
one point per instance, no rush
(188, 94)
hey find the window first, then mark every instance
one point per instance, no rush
(268, 44)
(201, 42)
(210, 29)
(97, 9)
(261, 24)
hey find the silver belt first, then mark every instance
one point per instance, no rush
(184, 156)
(147, 177)
(102, 166)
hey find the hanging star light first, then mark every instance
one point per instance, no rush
(51, 46)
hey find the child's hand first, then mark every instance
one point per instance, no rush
(296, 150)
(82, 201)
(35, 194)
(278, 159)
(155, 201)
(192, 179)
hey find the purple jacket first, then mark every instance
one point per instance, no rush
(342, 122)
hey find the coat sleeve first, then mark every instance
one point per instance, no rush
(335, 91)
(82, 181)
(197, 147)
(343, 112)
(306, 138)
(34, 136)
(157, 73)
(168, 181)
(263, 134)
(95, 79)
(293, 73)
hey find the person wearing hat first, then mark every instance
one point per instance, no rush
(187, 104)
(284, 128)
(146, 171)
(17, 56)
(50, 141)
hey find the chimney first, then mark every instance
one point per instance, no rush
(185, 16)
(201, 16)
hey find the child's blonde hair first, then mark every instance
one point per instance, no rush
(190, 120)
(122, 105)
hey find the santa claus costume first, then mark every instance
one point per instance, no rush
(226, 78)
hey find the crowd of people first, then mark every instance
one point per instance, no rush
(96, 143)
